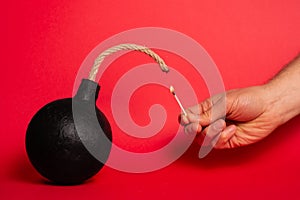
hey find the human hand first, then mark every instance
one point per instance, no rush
(244, 116)
(251, 115)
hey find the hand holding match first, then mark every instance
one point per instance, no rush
(172, 90)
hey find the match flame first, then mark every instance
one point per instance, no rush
(172, 90)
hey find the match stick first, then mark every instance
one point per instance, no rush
(172, 90)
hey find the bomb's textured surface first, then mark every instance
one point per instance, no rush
(64, 136)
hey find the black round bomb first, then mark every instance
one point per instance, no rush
(69, 140)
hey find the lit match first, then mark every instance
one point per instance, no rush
(172, 90)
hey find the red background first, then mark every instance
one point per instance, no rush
(43, 43)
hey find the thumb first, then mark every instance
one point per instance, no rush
(213, 109)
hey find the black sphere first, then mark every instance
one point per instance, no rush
(69, 140)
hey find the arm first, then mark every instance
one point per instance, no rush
(284, 91)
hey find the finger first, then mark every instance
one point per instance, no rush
(192, 128)
(217, 110)
(210, 132)
(196, 109)
(194, 113)
(189, 118)
(208, 111)
(225, 136)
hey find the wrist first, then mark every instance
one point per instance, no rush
(282, 101)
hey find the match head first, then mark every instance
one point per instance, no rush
(172, 90)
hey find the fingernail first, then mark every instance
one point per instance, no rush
(218, 125)
(228, 133)
(231, 128)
